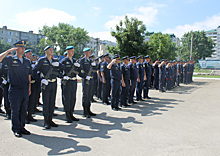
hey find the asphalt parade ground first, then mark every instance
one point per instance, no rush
(183, 121)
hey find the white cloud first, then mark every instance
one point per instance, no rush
(35, 20)
(95, 11)
(145, 14)
(104, 35)
(209, 23)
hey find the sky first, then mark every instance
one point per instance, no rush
(98, 17)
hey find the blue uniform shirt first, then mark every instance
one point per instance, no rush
(43, 65)
(67, 63)
(140, 70)
(148, 69)
(133, 71)
(18, 72)
(105, 70)
(115, 72)
(125, 70)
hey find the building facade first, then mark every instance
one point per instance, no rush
(214, 34)
(12, 36)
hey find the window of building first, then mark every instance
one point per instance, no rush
(2, 32)
(9, 40)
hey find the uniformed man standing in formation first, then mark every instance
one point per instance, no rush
(115, 73)
(140, 80)
(99, 89)
(148, 71)
(69, 83)
(19, 78)
(133, 79)
(86, 71)
(125, 73)
(50, 69)
(106, 84)
(32, 98)
(156, 74)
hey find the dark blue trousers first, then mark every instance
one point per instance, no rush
(147, 86)
(132, 90)
(69, 95)
(32, 99)
(91, 87)
(19, 102)
(139, 90)
(49, 97)
(105, 90)
(124, 93)
(6, 99)
(115, 94)
(86, 96)
(99, 89)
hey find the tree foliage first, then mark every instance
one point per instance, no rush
(64, 35)
(130, 36)
(202, 46)
(4, 47)
(161, 46)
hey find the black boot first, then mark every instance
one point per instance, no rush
(52, 123)
(46, 122)
(8, 114)
(72, 117)
(91, 113)
(68, 118)
(86, 113)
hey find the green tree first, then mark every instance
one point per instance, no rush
(4, 47)
(161, 46)
(42, 44)
(64, 35)
(202, 46)
(130, 35)
(112, 49)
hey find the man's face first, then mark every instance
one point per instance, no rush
(88, 53)
(29, 55)
(70, 52)
(49, 52)
(20, 50)
(118, 60)
(141, 60)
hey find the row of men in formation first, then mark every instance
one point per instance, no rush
(25, 78)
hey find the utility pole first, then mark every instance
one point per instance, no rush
(191, 45)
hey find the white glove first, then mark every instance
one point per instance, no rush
(33, 65)
(76, 64)
(4, 82)
(44, 81)
(55, 64)
(93, 64)
(66, 78)
(88, 77)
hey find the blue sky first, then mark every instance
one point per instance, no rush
(99, 16)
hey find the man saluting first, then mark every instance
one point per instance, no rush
(19, 78)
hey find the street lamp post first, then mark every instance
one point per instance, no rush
(191, 46)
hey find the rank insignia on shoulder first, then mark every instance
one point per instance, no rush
(102, 66)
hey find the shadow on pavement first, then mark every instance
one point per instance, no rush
(189, 88)
(57, 145)
(154, 106)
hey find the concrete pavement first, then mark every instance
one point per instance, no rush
(184, 121)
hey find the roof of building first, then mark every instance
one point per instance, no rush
(211, 31)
